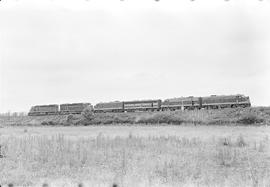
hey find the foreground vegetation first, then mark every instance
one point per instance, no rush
(135, 160)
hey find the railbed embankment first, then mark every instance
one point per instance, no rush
(231, 116)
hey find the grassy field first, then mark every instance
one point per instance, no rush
(185, 155)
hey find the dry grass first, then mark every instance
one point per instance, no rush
(134, 160)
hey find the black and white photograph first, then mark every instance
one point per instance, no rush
(134, 93)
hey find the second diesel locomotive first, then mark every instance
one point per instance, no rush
(73, 108)
(128, 106)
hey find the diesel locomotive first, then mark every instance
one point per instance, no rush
(180, 103)
(40, 110)
(210, 102)
(73, 108)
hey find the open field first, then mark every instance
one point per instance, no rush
(189, 131)
(185, 155)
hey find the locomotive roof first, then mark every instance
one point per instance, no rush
(46, 105)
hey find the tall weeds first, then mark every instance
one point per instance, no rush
(157, 160)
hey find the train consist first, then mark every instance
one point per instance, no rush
(181, 103)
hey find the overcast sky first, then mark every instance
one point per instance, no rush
(61, 51)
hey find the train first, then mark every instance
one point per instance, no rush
(172, 104)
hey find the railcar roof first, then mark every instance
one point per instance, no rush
(142, 101)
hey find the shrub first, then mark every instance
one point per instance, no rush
(70, 119)
(250, 117)
(158, 118)
(52, 123)
(44, 123)
(88, 113)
